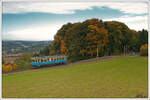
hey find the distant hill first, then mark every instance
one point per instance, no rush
(13, 47)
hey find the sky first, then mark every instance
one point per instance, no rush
(37, 21)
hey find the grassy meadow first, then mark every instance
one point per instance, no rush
(117, 77)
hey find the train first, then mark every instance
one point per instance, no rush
(48, 60)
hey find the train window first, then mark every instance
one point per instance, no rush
(49, 59)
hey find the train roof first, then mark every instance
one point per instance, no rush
(45, 57)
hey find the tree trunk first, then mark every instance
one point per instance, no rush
(124, 50)
(97, 51)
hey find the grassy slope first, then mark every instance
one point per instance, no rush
(118, 77)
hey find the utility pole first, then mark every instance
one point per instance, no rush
(97, 53)
(97, 50)
(124, 50)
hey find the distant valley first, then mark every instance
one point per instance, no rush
(14, 47)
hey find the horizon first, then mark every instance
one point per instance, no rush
(25, 21)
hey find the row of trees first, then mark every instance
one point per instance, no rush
(94, 37)
(22, 63)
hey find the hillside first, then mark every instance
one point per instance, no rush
(13, 47)
(125, 77)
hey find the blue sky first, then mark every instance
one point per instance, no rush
(41, 20)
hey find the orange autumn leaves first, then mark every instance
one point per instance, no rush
(9, 67)
(80, 39)
(93, 37)
(98, 37)
(144, 50)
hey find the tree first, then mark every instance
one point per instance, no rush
(93, 37)
(144, 50)
(8, 68)
(133, 45)
(14, 66)
(143, 38)
(45, 51)
(24, 61)
(98, 38)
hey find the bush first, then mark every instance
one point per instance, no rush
(144, 50)
(7, 68)
(3, 68)
(140, 96)
(24, 61)
(15, 66)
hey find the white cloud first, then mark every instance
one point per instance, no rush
(136, 23)
(46, 32)
(70, 7)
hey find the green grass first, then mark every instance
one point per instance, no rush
(118, 77)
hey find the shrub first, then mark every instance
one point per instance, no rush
(140, 95)
(3, 68)
(8, 68)
(24, 61)
(14, 66)
(144, 50)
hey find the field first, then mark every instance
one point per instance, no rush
(116, 77)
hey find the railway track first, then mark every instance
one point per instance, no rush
(66, 65)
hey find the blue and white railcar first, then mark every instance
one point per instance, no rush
(48, 60)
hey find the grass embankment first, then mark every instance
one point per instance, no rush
(117, 77)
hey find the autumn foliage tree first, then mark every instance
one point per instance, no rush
(97, 37)
(93, 37)
(7, 68)
(144, 50)
(14, 66)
